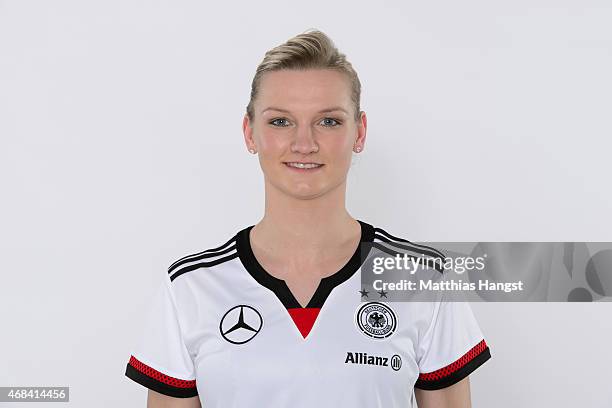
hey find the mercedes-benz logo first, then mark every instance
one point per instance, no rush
(240, 324)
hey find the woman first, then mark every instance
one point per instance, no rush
(277, 316)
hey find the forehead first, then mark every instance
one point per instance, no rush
(304, 89)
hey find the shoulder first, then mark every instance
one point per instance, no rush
(392, 244)
(204, 259)
(383, 236)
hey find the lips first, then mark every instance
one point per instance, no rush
(303, 165)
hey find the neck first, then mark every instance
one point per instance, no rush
(306, 224)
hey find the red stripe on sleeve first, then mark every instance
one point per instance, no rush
(161, 377)
(451, 368)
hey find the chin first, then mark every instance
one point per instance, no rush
(306, 194)
(302, 191)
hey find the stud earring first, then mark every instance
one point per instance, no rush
(251, 150)
(357, 149)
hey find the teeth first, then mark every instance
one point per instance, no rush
(303, 165)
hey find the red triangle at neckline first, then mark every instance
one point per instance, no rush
(304, 318)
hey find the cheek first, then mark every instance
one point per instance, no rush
(269, 143)
(340, 148)
(270, 149)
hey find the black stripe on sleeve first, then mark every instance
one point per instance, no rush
(159, 386)
(456, 376)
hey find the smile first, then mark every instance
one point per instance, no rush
(298, 165)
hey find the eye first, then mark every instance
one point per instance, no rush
(275, 122)
(331, 122)
(327, 122)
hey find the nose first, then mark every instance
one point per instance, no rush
(304, 141)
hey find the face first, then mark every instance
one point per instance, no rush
(304, 131)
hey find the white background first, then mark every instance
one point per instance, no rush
(121, 151)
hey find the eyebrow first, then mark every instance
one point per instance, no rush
(332, 109)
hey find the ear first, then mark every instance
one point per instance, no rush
(247, 130)
(362, 127)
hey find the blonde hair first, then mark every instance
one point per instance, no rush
(312, 49)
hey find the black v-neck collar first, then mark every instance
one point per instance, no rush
(327, 284)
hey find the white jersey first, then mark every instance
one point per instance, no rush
(224, 329)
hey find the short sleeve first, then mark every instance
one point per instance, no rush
(160, 360)
(451, 348)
